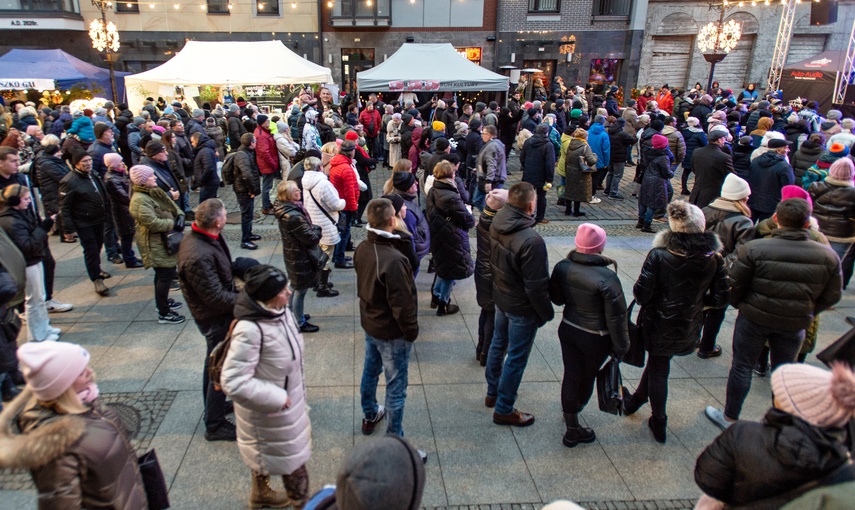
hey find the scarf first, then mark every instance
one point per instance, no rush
(88, 394)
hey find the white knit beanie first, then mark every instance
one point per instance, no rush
(735, 188)
(686, 218)
(818, 396)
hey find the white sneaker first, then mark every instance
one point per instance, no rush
(49, 338)
(54, 306)
(423, 456)
(716, 416)
(54, 331)
(595, 200)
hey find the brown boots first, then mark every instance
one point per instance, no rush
(263, 496)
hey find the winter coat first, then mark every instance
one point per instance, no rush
(742, 160)
(299, 236)
(262, 371)
(483, 270)
(134, 143)
(81, 126)
(592, 297)
(28, 234)
(474, 144)
(205, 162)
(76, 461)
(731, 226)
(804, 158)
(286, 149)
(236, 130)
(421, 232)
(784, 279)
(51, 171)
(370, 122)
(344, 180)
(598, 141)
(619, 140)
(834, 209)
(388, 303)
(632, 124)
(154, 213)
(246, 172)
(654, 183)
(577, 184)
(215, 133)
(768, 174)
(97, 151)
(676, 143)
(118, 188)
(520, 266)
(682, 274)
(83, 201)
(537, 161)
(266, 155)
(167, 179)
(701, 112)
(491, 164)
(694, 138)
(751, 462)
(711, 166)
(794, 133)
(449, 222)
(205, 273)
(316, 184)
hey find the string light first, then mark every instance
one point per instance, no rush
(293, 5)
(368, 3)
(329, 4)
(202, 6)
(177, 6)
(151, 6)
(260, 7)
(230, 6)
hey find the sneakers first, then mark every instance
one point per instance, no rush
(760, 370)
(595, 200)
(423, 455)
(227, 432)
(173, 304)
(54, 306)
(616, 196)
(175, 285)
(54, 331)
(170, 318)
(49, 338)
(308, 327)
(717, 417)
(369, 425)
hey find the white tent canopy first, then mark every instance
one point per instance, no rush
(428, 68)
(224, 63)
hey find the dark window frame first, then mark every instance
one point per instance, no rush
(266, 10)
(218, 7)
(534, 7)
(127, 8)
(611, 10)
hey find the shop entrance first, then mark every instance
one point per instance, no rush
(604, 72)
(354, 60)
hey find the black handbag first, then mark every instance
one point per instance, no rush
(584, 167)
(842, 349)
(155, 484)
(636, 354)
(610, 388)
(318, 257)
(172, 241)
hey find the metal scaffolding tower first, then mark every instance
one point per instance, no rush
(844, 74)
(782, 45)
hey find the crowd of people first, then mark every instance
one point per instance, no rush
(774, 242)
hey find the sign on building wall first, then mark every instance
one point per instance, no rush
(41, 24)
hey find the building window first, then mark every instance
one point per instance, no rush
(128, 7)
(267, 7)
(361, 13)
(611, 10)
(40, 6)
(218, 6)
(544, 5)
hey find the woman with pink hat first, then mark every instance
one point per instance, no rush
(593, 326)
(118, 188)
(834, 209)
(75, 448)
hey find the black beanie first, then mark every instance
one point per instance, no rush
(264, 282)
(403, 181)
(657, 125)
(382, 473)
(77, 154)
(397, 200)
(99, 129)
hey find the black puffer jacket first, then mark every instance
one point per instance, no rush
(236, 130)
(118, 187)
(205, 272)
(731, 226)
(619, 140)
(51, 171)
(785, 279)
(681, 275)
(298, 236)
(28, 234)
(83, 201)
(657, 174)
(483, 271)
(750, 461)
(449, 223)
(246, 172)
(769, 173)
(742, 160)
(834, 209)
(520, 265)
(205, 162)
(537, 161)
(805, 158)
(592, 296)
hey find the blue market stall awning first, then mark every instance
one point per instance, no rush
(21, 66)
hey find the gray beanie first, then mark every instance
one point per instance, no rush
(834, 115)
(382, 473)
(198, 113)
(233, 107)
(139, 121)
(282, 126)
(599, 119)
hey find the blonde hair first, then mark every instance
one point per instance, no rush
(312, 163)
(403, 165)
(580, 134)
(330, 148)
(741, 204)
(443, 170)
(283, 192)
(13, 190)
(67, 403)
(49, 140)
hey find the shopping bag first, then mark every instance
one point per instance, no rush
(635, 355)
(842, 349)
(609, 388)
(155, 485)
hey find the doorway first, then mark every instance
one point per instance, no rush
(354, 60)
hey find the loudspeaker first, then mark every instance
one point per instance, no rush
(823, 12)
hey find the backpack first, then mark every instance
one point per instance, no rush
(229, 168)
(217, 358)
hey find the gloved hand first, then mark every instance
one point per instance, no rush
(179, 223)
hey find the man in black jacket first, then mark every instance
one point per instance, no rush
(124, 118)
(247, 187)
(537, 161)
(102, 146)
(520, 267)
(236, 129)
(779, 284)
(388, 312)
(711, 165)
(205, 166)
(84, 205)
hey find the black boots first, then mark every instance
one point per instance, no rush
(630, 405)
(325, 287)
(446, 308)
(658, 426)
(576, 433)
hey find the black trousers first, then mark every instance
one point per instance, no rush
(583, 354)
(49, 266)
(247, 205)
(485, 331)
(91, 240)
(541, 203)
(654, 384)
(163, 277)
(214, 330)
(713, 319)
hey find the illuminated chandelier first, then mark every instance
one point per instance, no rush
(713, 37)
(104, 37)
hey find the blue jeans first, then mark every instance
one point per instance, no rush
(645, 214)
(206, 192)
(297, 299)
(392, 357)
(614, 177)
(514, 333)
(479, 196)
(749, 338)
(442, 289)
(338, 253)
(266, 186)
(111, 239)
(247, 205)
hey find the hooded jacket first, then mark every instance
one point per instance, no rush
(682, 274)
(834, 209)
(654, 183)
(537, 161)
(236, 130)
(598, 140)
(316, 184)
(694, 138)
(769, 173)
(449, 222)
(731, 226)
(299, 236)
(676, 143)
(742, 160)
(266, 154)
(154, 213)
(619, 140)
(262, 370)
(577, 184)
(804, 158)
(520, 266)
(421, 233)
(205, 162)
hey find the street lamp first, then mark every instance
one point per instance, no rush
(716, 40)
(105, 38)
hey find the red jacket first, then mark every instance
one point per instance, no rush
(266, 154)
(665, 102)
(370, 122)
(343, 178)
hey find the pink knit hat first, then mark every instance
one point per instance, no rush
(659, 142)
(792, 191)
(842, 170)
(820, 397)
(111, 159)
(590, 239)
(140, 174)
(497, 198)
(50, 368)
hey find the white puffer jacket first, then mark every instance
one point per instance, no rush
(263, 368)
(325, 193)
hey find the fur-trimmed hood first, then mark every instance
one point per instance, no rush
(705, 244)
(45, 435)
